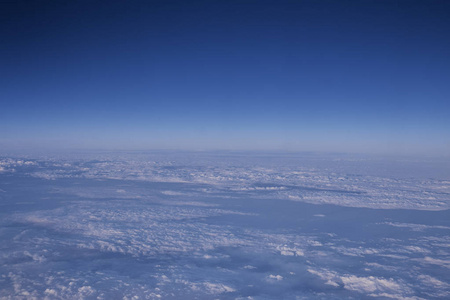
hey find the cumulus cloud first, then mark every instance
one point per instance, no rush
(272, 277)
(174, 227)
(364, 285)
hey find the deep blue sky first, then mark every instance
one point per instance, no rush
(352, 76)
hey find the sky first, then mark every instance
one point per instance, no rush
(340, 76)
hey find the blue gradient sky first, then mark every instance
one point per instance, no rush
(350, 76)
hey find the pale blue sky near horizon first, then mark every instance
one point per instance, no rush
(346, 76)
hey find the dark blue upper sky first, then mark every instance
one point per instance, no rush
(358, 76)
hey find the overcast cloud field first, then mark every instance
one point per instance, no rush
(223, 225)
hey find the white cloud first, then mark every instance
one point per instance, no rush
(435, 261)
(274, 277)
(364, 285)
